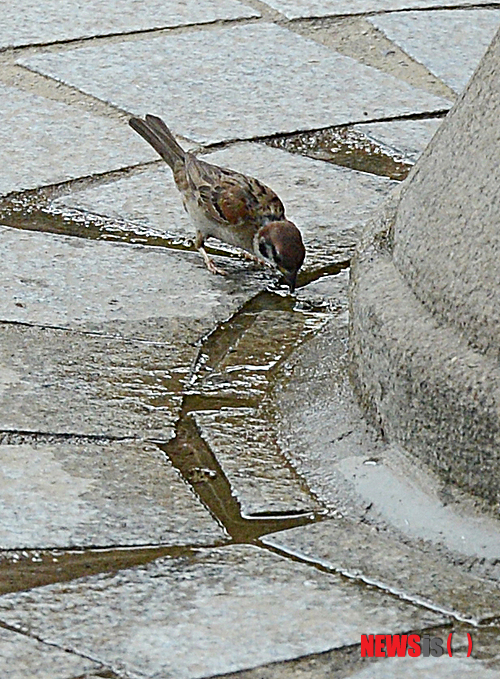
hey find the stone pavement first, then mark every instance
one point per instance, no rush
(187, 486)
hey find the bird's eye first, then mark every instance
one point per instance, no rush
(267, 250)
(264, 249)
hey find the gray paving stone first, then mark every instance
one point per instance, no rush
(219, 611)
(361, 552)
(22, 657)
(427, 668)
(405, 137)
(46, 142)
(60, 382)
(146, 309)
(63, 495)
(247, 451)
(450, 43)
(328, 203)
(328, 293)
(237, 71)
(139, 292)
(48, 22)
(295, 9)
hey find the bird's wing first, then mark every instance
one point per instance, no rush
(231, 198)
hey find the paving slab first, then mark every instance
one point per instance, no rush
(327, 293)
(22, 657)
(237, 68)
(450, 43)
(73, 494)
(60, 382)
(49, 22)
(118, 289)
(138, 313)
(296, 9)
(407, 138)
(360, 551)
(328, 203)
(147, 200)
(347, 662)
(47, 142)
(218, 611)
(260, 478)
(427, 668)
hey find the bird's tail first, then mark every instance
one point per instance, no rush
(156, 133)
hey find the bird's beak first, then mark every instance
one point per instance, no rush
(291, 279)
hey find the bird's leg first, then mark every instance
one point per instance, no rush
(199, 242)
(257, 260)
(253, 258)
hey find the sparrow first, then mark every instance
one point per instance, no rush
(228, 205)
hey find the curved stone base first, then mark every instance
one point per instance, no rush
(422, 383)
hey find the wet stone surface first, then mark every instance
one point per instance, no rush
(151, 413)
(230, 62)
(24, 569)
(61, 382)
(22, 657)
(425, 36)
(41, 23)
(71, 494)
(256, 607)
(53, 142)
(147, 202)
(294, 9)
(350, 468)
(347, 662)
(360, 551)
(408, 506)
(243, 369)
(243, 442)
(405, 137)
(138, 292)
(347, 146)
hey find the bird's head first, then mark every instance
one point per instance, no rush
(281, 244)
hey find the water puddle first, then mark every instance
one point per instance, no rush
(34, 211)
(230, 382)
(347, 147)
(25, 569)
(239, 359)
(200, 468)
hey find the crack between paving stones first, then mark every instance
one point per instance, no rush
(31, 635)
(425, 115)
(127, 35)
(60, 188)
(358, 15)
(89, 333)
(43, 436)
(188, 451)
(476, 623)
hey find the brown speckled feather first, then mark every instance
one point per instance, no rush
(230, 198)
